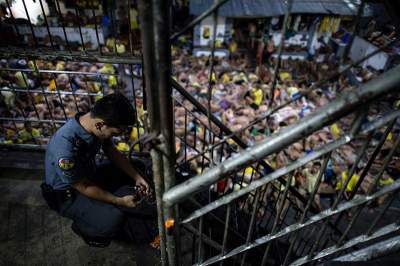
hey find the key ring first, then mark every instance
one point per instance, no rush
(148, 197)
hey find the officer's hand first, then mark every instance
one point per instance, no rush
(127, 201)
(143, 184)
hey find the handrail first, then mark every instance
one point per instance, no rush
(229, 132)
(320, 118)
(296, 164)
(48, 54)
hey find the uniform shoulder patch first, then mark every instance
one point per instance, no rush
(66, 163)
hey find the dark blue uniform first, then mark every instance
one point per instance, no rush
(70, 157)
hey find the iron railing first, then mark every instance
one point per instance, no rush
(349, 102)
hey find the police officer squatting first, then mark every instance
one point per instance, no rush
(104, 200)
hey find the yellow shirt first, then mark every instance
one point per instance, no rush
(133, 15)
(110, 43)
(335, 130)
(135, 134)
(60, 66)
(285, 75)
(25, 137)
(225, 78)
(350, 186)
(389, 136)
(249, 170)
(107, 69)
(213, 77)
(386, 182)
(112, 81)
(52, 85)
(233, 47)
(122, 146)
(98, 96)
(21, 80)
(120, 48)
(258, 96)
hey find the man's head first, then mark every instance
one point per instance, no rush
(112, 115)
(316, 166)
(28, 126)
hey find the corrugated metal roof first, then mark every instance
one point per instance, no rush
(269, 8)
(240, 8)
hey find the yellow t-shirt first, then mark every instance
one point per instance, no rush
(389, 136)
(233, 47)
(25, 137)
(213, 77)
(352, 183)
(335, 130)
(285, 75)
(134, 22)
(112, 81)
(225, 78)
(107, 69)
(386, 182)
(52, 85)
(258, 96)
(135, 134)
(120, 48)
(21, 80)
(60, 65)
(98, 96)
(122, 146)
(110, 43)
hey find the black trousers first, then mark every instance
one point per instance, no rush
(100, 219)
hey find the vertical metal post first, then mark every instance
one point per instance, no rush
(30, 24)
(251, 226)
(281, 46)
(62, 24)
(200, 252)
(150, 78)
(95, 26)
(113, 27)
(210, 86)
(80, 29)
(155, 29)
(47, 25)
(162, 60)
(277, 218)
(370, 190)
(225, 239)
(130, 29)
(14, 23)
(309, 203)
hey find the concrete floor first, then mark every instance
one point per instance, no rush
(32, 234)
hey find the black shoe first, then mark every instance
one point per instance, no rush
(97, 242)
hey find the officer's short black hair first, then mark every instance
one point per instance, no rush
(115, 109)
